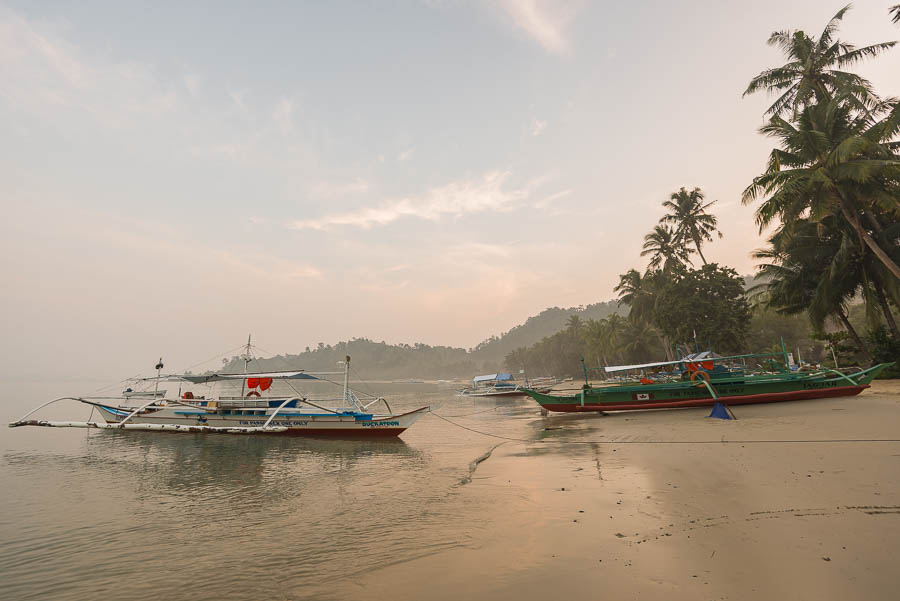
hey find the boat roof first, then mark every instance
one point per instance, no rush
(490, 377)
(616, 368)
(275, 375)
(701, 356)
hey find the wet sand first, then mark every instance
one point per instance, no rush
(650, 505)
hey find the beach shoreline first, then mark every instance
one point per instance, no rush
(653, 505)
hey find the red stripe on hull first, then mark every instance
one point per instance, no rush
(745, 399)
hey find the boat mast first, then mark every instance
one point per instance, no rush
(346, 377)
(159, 367)
(246, 362)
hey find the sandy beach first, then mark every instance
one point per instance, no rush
(651, 505)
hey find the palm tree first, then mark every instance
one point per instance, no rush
(636, 342)
(633, 293)
(666, 249)
(895, 10)
(595, 341)
(574, 324)
(813, 71)
(688, 212)
(814, 268)
(641, 293)
(616, 326)
(833, 162)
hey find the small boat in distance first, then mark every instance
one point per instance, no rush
(503, 385)
(707, 380)
(493, 385)
(253, 411)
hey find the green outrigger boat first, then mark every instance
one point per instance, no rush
(702, 381)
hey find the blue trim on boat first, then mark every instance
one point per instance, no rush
(292, 404)
(114, 411)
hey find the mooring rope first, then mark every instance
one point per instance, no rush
(468, 414)
(664, 442)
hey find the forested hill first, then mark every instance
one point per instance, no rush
(546, 323)
(379, 360)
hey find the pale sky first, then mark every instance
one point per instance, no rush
(176, 175)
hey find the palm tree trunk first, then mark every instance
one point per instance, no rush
(886, 309)
(664, 342)
(874, 222)
(853, 218)
(700, 252)
(852, 331)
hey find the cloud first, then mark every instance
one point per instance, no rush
(538, 127)
(405, 155)
(545, 21)
(488, 193)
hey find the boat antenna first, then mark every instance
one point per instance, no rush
(159, 366)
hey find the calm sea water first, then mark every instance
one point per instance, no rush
(146, 515)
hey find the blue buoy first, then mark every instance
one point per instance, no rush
(720, 411)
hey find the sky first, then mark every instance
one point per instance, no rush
(174, 176)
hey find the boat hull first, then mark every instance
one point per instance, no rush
(306, 424)
(558, 404)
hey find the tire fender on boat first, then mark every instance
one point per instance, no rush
(252, 393)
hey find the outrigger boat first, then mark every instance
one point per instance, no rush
(250, 413)
(493, 385)
(707, 380)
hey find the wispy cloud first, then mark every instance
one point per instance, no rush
(405, 155)
(488, 193)
(545, 21)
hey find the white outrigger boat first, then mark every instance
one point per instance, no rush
(499, 385)
(253, 412)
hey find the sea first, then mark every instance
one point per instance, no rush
(94, 514)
